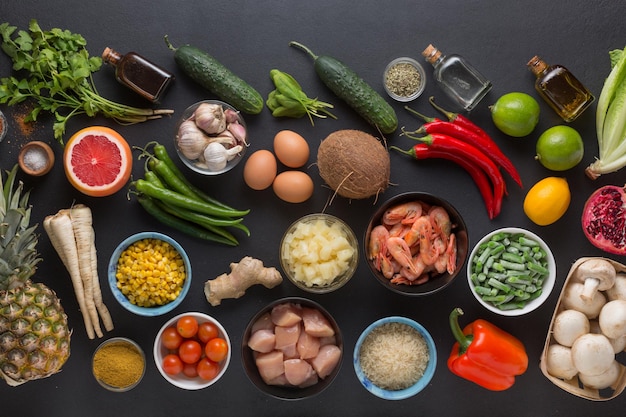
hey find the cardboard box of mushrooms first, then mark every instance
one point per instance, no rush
(584, 352)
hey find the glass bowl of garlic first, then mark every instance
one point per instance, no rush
(211, 137)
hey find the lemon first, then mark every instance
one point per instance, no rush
(515, 114)
(547, 200)
(560, 148)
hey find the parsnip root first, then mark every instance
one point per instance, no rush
(249, 271)
(73, 238)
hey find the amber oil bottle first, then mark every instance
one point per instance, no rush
(457, 78)
(140, 75)
(560, 89)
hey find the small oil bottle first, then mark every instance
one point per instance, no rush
(140, 75)
(560, 89)
(458, 78)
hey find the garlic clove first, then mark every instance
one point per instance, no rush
(210, 118)
(231, 115)
(233, 152)
(225, 138)
(239, 132)
(191, 141)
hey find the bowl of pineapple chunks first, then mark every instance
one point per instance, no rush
(319, 253)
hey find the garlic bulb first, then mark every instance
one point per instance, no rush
(210, 118)
(216, 156)
(191, 141)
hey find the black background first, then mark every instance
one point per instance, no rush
(251, 38)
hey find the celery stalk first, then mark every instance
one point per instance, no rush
(611, 120)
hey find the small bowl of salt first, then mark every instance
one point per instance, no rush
(36, 158)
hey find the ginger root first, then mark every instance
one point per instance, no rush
(249, 271)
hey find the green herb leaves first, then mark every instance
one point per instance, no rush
(57, 71)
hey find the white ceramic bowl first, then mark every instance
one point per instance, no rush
(196, 164)
(123, 300)
(413, 389)
(182, 381)
(548, 283)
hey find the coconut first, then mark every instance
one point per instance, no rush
(354, 164)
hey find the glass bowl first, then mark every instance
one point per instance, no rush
(117, 359)
(197, 164)
(546, 287)
(123, 300)
(410, 391)
(404, 79)
(181, 380)
(319, 253)
(262, 321)
(436, 282)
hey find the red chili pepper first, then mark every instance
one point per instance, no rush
(423, 151)
(447, 143)
(459, 127)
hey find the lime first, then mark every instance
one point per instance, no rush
(515, 114)
(547, 200)
(560, 148)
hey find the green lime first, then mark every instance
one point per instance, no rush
(560, 148)
(515, 114)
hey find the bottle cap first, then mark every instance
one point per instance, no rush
(109, 55)
(537, 65)
(431, 54)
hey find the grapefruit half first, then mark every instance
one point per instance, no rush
(97, 161)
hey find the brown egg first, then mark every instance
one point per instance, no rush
(260, 170)
(291, 149)
(293, 186)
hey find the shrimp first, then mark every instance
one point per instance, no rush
(440, 221)
(422, 232)
(451, 251)
(404, 213)
(441, 264)
(377, 246)
(400, 251)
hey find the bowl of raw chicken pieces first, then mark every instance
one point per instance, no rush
(292, 349)
(416, 244)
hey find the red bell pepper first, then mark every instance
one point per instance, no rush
(486, 354)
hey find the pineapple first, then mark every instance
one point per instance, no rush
(34, 335)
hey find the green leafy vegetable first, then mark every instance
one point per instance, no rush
(57, 72)
(288, 99)
(611, 120)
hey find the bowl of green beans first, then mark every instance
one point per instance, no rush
(511, 271)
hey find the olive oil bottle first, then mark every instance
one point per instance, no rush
(560, 89)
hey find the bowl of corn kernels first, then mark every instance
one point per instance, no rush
(149, 274)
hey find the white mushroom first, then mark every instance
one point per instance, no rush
(572, 300)
(612, 319)
(603, 380)
(592, 354)
(618, 344)
(618, 290)
(569, 325)
(595, 274)
(559, 362)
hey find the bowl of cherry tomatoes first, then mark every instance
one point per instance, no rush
(192, 350)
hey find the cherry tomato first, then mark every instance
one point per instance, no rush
(207, 369)
(189, 369)
(216, 349)
(207, 331)
(190, 351)
(187, 326)
(171, 339)
(172, 365)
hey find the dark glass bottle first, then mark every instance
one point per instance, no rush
(560, 89)
(140, 75)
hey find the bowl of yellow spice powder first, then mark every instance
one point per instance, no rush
(149, 274)
(404, 79)
(118, 364)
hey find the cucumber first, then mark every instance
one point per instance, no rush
(215, 77)
(348, 86)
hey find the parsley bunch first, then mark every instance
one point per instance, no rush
(58, 72)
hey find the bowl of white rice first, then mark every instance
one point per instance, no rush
(395, 358)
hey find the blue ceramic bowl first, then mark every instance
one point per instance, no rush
(121, 298)
(407, 392)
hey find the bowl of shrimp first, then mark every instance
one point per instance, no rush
(416, 243)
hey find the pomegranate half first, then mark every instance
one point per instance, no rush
(604, 219)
